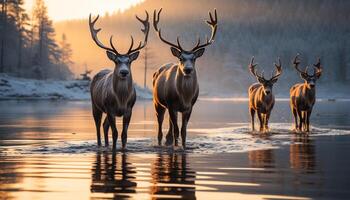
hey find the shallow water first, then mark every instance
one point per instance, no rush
(48, 151)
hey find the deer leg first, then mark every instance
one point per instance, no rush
(294, 111)
(300, 120)
(267, 117)
(169, 135)
(261, 120)
(105, 130)
(185, 117)
(308, 120)
(111, 120)
(173, 118)
(252, 114)
(126, 122)
(160, 117)
(97, 114)
(304, 114)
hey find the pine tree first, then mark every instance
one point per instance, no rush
(66, 55)
(21, 19)
(3, 23)
(48, 54)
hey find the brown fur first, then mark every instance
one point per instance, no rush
(260, 103)
(261, 97)
(302, 100)
(113, 92)
(303, 95)
(114, 97)
(177, 93)
(175, 86)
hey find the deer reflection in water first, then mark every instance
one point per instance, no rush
(261, 158)
(172, 176)
(302, 154)
(112, 173)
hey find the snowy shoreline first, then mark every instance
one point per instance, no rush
(13, 88)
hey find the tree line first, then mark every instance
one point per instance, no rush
(27, 43)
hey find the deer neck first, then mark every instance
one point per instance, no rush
(186, 86)
(122, 89)
(308, 92)
(267, 98)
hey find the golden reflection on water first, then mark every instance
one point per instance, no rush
(302, 154)
(261, 158)
(118, 175)
(171, 176)
(112, 173)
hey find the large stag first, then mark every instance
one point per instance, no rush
(261, 98)
(113, 92)
(303, 95)
(175, 86)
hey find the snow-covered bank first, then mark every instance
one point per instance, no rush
(20, 88)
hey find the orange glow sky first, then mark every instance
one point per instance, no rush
(77, 9)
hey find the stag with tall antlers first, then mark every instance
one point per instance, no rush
(303, 95)
(175, 86)
(261, 98)
(113, 92)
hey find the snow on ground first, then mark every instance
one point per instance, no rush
(21, 88)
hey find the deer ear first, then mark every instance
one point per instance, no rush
(111, 55)
(274, 80)
(175, 52)
(303, 76)
(199, 52)
(261, 80)
(134, 55)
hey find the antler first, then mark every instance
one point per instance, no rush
(94, 33)
(318, 68)
(296, 63)
(213, 23)
(253, 70)
(278, 69)
(145, 30)
(158, 30)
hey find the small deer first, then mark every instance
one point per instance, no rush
(303, 95)
(113, 92)
(261, 97)
(175, 86)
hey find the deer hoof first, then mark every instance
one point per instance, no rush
(168, 142)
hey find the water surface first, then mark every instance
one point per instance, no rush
(48, 151)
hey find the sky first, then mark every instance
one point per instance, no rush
(78, 9)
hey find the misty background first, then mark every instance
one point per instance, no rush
(266, 29)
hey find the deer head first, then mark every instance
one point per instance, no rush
(122, 61)
(187, 58)
(266, 83)
(310, 79)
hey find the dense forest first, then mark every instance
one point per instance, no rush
(266, 29)
(34, 46)
(28, 46)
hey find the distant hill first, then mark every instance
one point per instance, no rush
(263, 28)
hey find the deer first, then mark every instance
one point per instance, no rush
(261, 97)
(175, 85)
(113, 91)
(303, 95)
